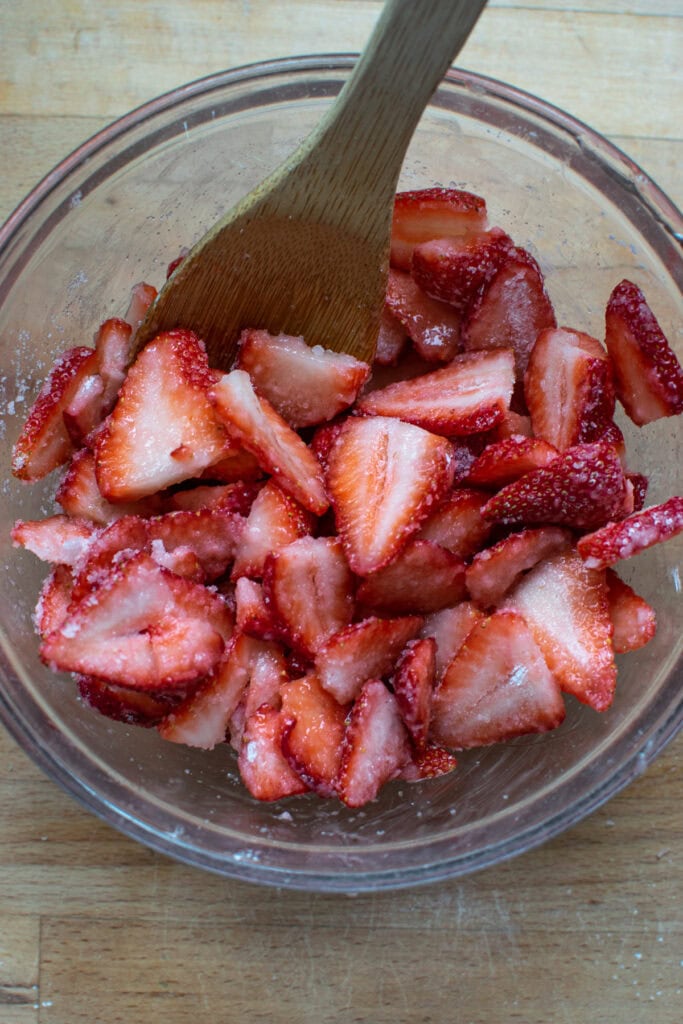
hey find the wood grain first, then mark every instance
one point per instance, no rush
(96, 928)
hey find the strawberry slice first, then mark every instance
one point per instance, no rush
(163, 428)
(121, 704)
(501, 462)
(375, 747)
(252, 616)
(413, 683)
(57, 539)
(458, 523)
(304, 385)
(141, 298)
(512, 424)
(432, 326)
(143, 627)
(85, 411)
(569, 388)
(236, 497)
(236, 466)
(361, 651)
(494, 571)
(510, 310)
(432, 213)
(423, 578)
(497, 687)
(80, 497)
(313, 734)
(279, 450)
(634, 620)
(455, 270)
(450, 628)
(640, 483)
(468, 396)
(583, 487)
(53, 601)
(617, 541)
(113, 344)
(267, 669)
(213, 535)
(565, 606)
(274, 521)
(429, 763)
(648, 375)
(44, 442)
(307, 587)
(391, 340)
(384, 476)
(263, 767)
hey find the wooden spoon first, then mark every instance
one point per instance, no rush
(307, 251)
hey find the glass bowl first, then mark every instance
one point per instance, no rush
(115, 212)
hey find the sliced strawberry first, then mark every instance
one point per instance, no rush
(640, 484)
(113, 344)
(458, 523)
(634, 620)
(304, 385)
(384, 476)
(274, 521)
(212, 534)
(468, 396)
(308, 588)
(432, 213)
(612, 434)
(80, 497)
(413, 684)
(429, 763)
(143, 627)
(511, 310)
(236, 497)
(255, 424)
(267, 674)
(450, 628)
(141, 298)
(361, 651)
(263, 767)
(455, 270)
(494, 571)
(512, 424)
(54, 600)
(569, 388)
(649, 377)
(121, 704)
(497, 687)
(432, 326)
(85, 411)
(252, 616)
(163, 428)
(324, 440)
(391, 340)
(124, 537)
(175, 263)
(565, 606)
(44, 442)
(236, 466)
(313, 734)
(583, 487)
(375, 745)
(423, 578)
(57, 539)
(504, 461)
(617, 541)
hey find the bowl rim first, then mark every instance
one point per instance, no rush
(663, 727)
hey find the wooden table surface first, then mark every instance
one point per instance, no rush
(95, 929)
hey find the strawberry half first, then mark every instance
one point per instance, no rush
(163, 428)
(384, 476)
(634, 620)
(617, 541)
(361, 651)
(304, 385)
(497, 687)
(511, 310)
(307, 587)
(648, 376)
(313, 734)
(458, 523)
(455, 270)
(413, 684)
(423, 578)
(494, 571)
(432, 213)
(569, 388)
(375, 746)
(274, 521)
(583, 487)
(44, 442)
(432, 326)
(501, 462)
(565, 606)
(263, 767)
(468, 396)
(450, 628)
(143, 627)
(279, 450)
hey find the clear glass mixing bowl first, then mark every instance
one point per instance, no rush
(115, 212)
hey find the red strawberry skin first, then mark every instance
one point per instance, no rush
(617, 541)
(649, 377)
(454, 270)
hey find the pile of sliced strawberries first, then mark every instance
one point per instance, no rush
(350, 572)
